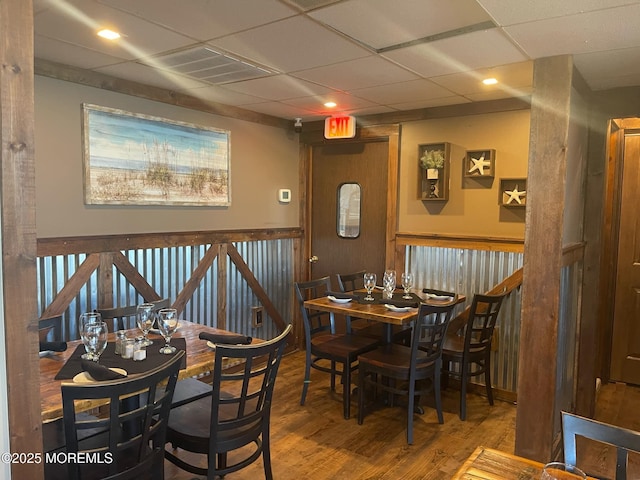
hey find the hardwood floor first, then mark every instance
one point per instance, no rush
(314, 441)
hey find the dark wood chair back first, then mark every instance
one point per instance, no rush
(128, 312)
(236, 415)
(482, 320)
(429, 331)
(622, 439)
(315, 322)
(348, 282)
(131, 439)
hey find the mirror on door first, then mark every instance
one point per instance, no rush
(348, 221)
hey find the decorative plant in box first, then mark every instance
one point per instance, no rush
(432, 161)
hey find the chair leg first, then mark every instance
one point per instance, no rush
(487, 377)
(463, 390)
(411, 402)
(266, 456)
(346, 390)
(436, 394)
(361, 374)
(307, 379)
(333, 376)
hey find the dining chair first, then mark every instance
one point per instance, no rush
(412, 370)
(349, 282)
(127, 443)
(236, 415)
(322, 346)
(622, 439)
(119, 314)
(473, 347)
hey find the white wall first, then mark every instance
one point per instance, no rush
(263, 159)
(5, 468)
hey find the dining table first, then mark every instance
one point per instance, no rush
(198, 361)
(491, 464)
(377, 310)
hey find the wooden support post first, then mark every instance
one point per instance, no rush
(17, 187)
(537, 363)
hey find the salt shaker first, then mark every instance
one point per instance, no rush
(139, 350)
(121, 337)
(128, 347)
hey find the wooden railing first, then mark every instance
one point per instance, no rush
(194, 270)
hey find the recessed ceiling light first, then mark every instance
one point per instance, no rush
(330, 104)
(489, 81)
(108, 34)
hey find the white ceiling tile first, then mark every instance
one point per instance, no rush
(291, 44)
(77, 23)
(486, 48)
(214, 19)
(382, 23)
(588, 32)
(278, 87)
(364, 72)
(402, 92)
(512, 12)
(499, 94)
(69, 54)
(344, 101)
(510, 77)
(434, 102)
(220, 94)
(150, 76)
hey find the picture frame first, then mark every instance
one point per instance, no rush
(136, 159)
(513, 192)
(479, 163)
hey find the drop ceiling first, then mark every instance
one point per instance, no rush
(286, 58)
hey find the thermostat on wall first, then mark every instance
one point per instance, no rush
(284, 195)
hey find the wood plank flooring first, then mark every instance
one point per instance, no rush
(314, 441)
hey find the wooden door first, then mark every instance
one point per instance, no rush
(363, 163)
(625, 356)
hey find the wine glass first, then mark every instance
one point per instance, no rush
(94, 338)
(145, 316)
(369, 285)
(407, 284)
(389, 283)
(88, 317)
(168, 324)
(561, 471)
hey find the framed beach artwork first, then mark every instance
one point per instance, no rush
(135, 159)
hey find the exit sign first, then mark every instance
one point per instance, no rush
(340, 127)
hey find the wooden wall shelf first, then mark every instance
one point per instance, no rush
(433, 176)
(513, 192)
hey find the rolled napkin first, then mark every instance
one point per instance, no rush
(398, 302)
(99, 372)
(226, 338)
(53, 346)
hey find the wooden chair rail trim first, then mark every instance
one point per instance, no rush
(572, 253)
(461, 241)
(110, 243)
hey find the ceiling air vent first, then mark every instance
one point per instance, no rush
(207, 65)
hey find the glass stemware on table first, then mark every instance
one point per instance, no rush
(94, 337)
(389, 283)
(369, 285)
(562, 471)
(168, 324)
(407, 284)
(145, 317)
(86, 318)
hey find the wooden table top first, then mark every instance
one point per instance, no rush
(199, 360)
(371, 311)
(489, 464)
